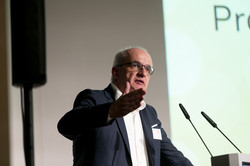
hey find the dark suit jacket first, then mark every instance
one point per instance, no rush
(97, 142)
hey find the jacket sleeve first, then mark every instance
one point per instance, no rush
(88, 112)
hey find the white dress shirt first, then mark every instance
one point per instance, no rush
(135, 133)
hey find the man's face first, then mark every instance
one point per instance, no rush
(137, 79)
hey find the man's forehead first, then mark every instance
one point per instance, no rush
(138, 55)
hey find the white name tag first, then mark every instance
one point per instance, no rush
(157, 134)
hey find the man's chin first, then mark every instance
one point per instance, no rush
(137, 87)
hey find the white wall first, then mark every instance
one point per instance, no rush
(82, 37)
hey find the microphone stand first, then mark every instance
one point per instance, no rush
(27, 113)
(215, 126)
(200, 137)
(188, 118)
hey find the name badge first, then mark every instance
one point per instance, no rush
(156, 133)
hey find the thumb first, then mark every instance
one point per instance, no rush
(127, 89)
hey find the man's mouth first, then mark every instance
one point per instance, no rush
(141, 82)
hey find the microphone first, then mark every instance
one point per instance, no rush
(188, 117)
(184, 111)
(215, 126)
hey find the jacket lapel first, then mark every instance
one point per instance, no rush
(122, 128)
(148, 135)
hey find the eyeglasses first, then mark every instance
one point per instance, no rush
(137, 66)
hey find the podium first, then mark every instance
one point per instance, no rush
(236, 159)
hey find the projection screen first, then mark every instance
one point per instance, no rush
(208, 69)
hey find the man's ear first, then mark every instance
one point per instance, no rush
(115, 73)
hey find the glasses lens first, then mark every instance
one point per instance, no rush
(137, 66)
(148, 69)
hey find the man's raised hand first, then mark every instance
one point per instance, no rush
(128, 102)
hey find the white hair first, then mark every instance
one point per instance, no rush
(121, 55)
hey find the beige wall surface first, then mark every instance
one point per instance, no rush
(82, 37)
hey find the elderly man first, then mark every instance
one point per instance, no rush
(114, 126)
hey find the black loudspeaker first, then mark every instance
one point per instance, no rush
(28, 42)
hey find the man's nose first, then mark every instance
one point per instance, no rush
(142, 71)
